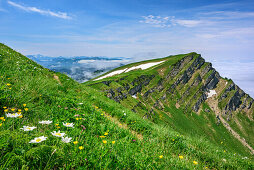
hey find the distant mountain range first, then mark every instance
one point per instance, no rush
(80, 68)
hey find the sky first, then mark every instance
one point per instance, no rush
(222, 31)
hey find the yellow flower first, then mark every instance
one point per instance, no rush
(180, 156)
(10, 88)
(195, 162)
(26, 109)
(1, 124)
(113, 142)
(106, 133)
(57, 124)
(102, 136)
(75, 142)
(24, 105)
(19, 110)
(4, 107)
(161, 156)
(13, 109)
(8, 84)
(1, 118)
(104, 141)
(20, 116)
(19, 113)
(77, 118)
(224, 151)
(6, 110)
(102, 114)
(173, 140)
(81, 147)
(58, 127)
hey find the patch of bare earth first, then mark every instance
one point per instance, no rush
(213, 104)
(177, 105)
(57, 79)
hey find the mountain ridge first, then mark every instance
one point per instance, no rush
(193, 79)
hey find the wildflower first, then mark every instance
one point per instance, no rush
(45, 122)
(77, 118)
(38, 140)
(10, 88)
(26, 109)
(102, 136)
(113, 142)
(5, 107)
(13, 109)
(19, 110)
(27, 128)
(104, 141)
(173, 140)
(68, 124)
(161, 156)
(81, 147)
(195, 162)
(19, 113)
(180, 156)
(75, 142)
(57, 124)
(106, 133)
(20, 116)
(221, 142)
(6, 110)
(57, 127)
(14, 115)
(224, 151)
(24, 105)
(1, 118)
(102, 114)
(8, 84)
(1, 124)
(57, 134)
(66, 139)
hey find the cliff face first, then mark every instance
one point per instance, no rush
(183, 86)
(187, 82)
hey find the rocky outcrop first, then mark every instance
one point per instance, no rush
(186, 82)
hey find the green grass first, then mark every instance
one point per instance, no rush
(47, 99)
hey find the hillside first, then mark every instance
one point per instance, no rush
(113, 135)
(187, 94)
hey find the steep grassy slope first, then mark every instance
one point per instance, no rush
(105, 134)
(175, 94)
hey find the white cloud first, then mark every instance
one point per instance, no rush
(187, 23)
(168, 21)
(62, 15)
(156, 21)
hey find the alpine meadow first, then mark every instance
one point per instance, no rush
(175, 112)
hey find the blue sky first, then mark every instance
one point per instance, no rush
(222, 31)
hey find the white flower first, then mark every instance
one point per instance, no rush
(27, 128)
(45, 122)
(38, 140)
(66, 139)
(13, 115)
(57, 134)
(68, 124)
(124, 114)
